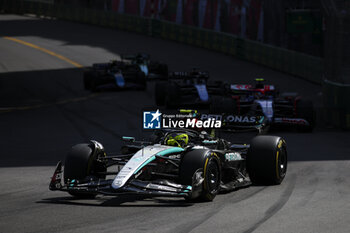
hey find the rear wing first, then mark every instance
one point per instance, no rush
(189, 75)
(251, 88)
(129, 57)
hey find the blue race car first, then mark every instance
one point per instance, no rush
(114, 75)
(152, 69)
(133, 71)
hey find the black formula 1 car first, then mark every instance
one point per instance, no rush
(152, 69)
(188, 89)
(286, 109)
(175, 163)
(132, 71)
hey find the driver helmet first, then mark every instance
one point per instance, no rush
(259, 83)
(177, 139)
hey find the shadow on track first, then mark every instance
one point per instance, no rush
(43, 113)
(120, 201)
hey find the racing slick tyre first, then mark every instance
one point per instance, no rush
(206, 165)
(142, 81)
(305, 110)
(163, 69)
(160, 69)
(173, 98)
(86, 79)
(221, 105)
(80, 163)
(160, 93)
(89, 80)
(267, 160)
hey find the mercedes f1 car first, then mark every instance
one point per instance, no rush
(287, 109)
(132, 71)
(174, 163)
(186, 89)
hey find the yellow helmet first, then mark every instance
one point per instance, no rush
(179, 140)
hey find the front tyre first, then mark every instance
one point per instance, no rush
(220, 105)
(204, 166)
(82, 162)
(211, 184)
(267, 160)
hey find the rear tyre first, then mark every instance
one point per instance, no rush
(208, 165)
(87, 79)
(173, 98)
(160, 93)
(163, 70)
(221, 105)
(142, 81)
(267, 160)
(305, 110)
(80, 163)
(160, 69)
(90, 80)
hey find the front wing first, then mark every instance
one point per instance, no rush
(134, 186)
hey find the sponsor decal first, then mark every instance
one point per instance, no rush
(267, 107)
(177, 156)
(160, 187)
(202, 92)
(241, 119)
(294, 121)
(230, 118)
(269, 87)
(144, 69)
(58, 176)
(233, 156)
(119, 79)
(241, 87)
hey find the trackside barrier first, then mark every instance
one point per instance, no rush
(305, 66)
(302, 65)
(337, 103)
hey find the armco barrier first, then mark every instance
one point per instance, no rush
(337, 103)
(302, 65)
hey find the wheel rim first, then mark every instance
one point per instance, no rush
(213, 176)
(282, 163)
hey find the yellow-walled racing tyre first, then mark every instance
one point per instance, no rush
(267, 160)
(203, 165)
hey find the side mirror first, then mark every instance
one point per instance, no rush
(128, 139)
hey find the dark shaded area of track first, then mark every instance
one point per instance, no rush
(313, 198)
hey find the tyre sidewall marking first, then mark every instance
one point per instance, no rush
(279, 148)
(205, 170)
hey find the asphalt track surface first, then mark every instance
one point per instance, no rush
(44, 110)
